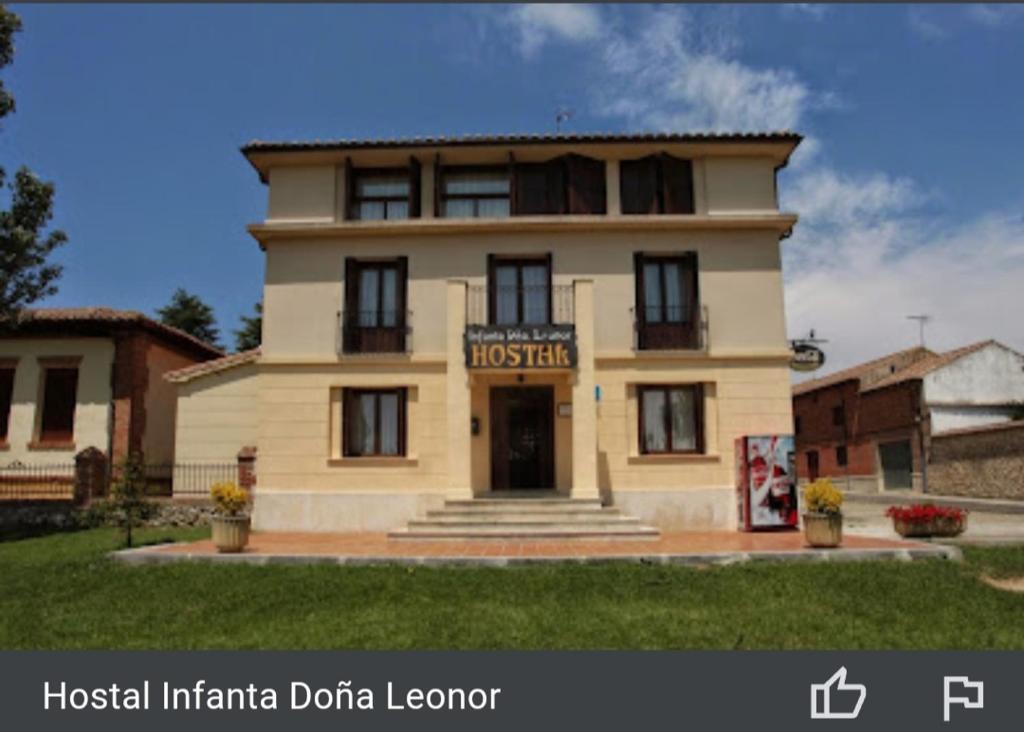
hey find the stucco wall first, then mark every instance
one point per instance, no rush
(305, 284)
(158, 437)
(216, 416)
(92, 412)
(990, 376)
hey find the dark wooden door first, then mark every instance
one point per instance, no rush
(897, 465)
(522, 437)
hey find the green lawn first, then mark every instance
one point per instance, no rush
(62, 592)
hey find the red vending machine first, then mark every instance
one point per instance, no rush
(766, 482)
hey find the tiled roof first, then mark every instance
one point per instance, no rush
(212, 367)
(895, 368)
(521, 139)
(856, 372)
(101, 317)
(926, 366)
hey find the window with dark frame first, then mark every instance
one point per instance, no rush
(796, 425)
(656, 184)
(375, 319)
(667, 301)
(841, 456)
(476, 192)
(60, 389)
(6, 398)
(519, 291)
(838, 416)
(381, 194)
(374, 422)
(812, 464)
(671, 419)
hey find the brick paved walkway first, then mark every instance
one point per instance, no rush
(689, 547)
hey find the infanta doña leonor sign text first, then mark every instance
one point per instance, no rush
(299, 696)
(520, 346)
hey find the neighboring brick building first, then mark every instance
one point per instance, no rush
(868, 426)
(73, 378)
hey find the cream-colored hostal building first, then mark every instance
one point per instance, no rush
(597, 315)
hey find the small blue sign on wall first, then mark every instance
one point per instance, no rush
(597, 393)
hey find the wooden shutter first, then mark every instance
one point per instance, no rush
(513, 174)
(415, 176)
(530, 190)
(350, 193)
(437, 184)
(402, 287)
(689, 274)
(492, 307)
(638, 185)
(59, 394)
(586, 185)
(677, 181)
(350, 318)
(6, 396)
(639, 314)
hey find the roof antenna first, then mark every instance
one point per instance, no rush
(562, 114)
(922, 321)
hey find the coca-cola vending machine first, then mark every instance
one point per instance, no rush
(766, 482)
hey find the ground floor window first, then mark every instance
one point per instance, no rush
(671, 419)
(374, 422)
(841, 457)
(6, 396)
(60, 388)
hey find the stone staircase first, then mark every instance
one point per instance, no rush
(533, 515)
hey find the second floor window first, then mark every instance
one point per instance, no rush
(667, 304)
(60, 389)
(519, 291)
(375, 315)
(475, 193)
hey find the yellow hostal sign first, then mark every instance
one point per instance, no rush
(520, 346)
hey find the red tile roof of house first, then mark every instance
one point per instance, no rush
(217, 365)
(894, 368)
(106, 319)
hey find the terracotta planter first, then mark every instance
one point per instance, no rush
(939, 526)
(823, 530)
(230, 533)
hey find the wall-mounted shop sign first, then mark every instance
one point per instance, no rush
(806, 357)
(520, 346)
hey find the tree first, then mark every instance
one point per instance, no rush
(188, 313)
(250, 335)
(25, 276)
(129, 505)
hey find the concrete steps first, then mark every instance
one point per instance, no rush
(532, 516)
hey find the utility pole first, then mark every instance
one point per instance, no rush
(922, 321)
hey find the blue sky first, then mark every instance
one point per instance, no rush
(909, 185)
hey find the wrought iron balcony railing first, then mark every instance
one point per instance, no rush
(670, 329)
(529, 305)
(375, 331)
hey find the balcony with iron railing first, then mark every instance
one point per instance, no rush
(520, 305)
(374, 332)
(665, 328)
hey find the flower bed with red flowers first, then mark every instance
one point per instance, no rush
(925, 519)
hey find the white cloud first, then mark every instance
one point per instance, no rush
(866, 252)
(539, 23)
(994, 16)
(922, 22)
(815, 11)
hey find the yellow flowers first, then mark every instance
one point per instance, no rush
(228, 498)
(823, 497)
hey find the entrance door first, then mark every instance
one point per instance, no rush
(897, 464)
(522, 437)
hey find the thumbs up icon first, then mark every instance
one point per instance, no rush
(822, 697)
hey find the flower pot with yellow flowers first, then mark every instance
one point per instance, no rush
(823, 516)
(231, 521)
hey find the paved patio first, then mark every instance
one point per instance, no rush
(684, 548)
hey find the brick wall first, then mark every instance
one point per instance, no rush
(985, 462)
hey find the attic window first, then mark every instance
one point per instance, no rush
(892, 368)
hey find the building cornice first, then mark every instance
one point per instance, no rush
(278, 230)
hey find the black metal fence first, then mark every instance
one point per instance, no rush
(57, 482)
(54, 482)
